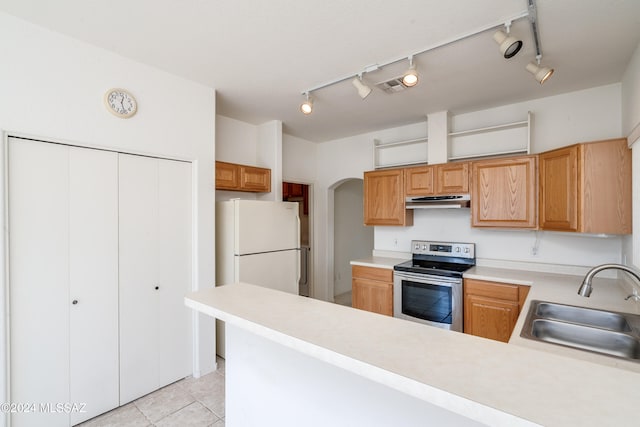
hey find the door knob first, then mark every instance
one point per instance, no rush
(74, 302)
(157, 287)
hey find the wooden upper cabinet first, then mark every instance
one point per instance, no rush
(384, 198)
(419, 181)
(587, 188)
(452, 178)
(431, 180)
(227, 176)
(232, 176)
(504, 193)
(255, 179)
(559, 189)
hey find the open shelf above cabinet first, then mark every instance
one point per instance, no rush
(491, 141)
(399, 153)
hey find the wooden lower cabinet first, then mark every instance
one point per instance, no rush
(372, 289)
(491, 309)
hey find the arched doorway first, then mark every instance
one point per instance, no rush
(351, 238)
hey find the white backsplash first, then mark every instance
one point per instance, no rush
(540, 247)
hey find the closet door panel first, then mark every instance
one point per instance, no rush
(138, 273)
(175, 261)
(93, 281)
(38, 192)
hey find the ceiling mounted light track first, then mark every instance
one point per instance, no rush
(509, 45)
(540, 73)
(307, 106)
(410, 77)
(363, 89)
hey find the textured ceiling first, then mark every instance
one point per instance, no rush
(260, 55)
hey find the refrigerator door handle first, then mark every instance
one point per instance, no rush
(298, 275)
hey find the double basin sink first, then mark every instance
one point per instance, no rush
(606, 332)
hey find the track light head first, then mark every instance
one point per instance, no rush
(363, 89)
(509, 46)
(540, 73)
(307, 106)
(410, 77)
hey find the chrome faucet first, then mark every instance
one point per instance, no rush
(585, 287)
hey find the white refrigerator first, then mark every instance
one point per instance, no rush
(257, 242)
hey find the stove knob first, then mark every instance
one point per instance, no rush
(457, 249)
(466, 250)
(417, 247)
(425, 247)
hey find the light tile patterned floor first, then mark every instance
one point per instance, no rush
(189, 402)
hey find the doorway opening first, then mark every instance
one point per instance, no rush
(301, 193)
(351, 238)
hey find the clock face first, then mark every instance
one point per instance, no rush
(121, 103)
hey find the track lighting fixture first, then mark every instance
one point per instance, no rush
(363, 89)
(509, 45)
(307, 106)
(410, 77)
(540, 73)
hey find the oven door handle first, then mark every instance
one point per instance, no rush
(427, 278)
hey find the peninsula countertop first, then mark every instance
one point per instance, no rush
(488, 381)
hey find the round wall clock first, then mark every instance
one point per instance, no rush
(120, 103)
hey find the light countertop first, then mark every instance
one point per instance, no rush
(379, 262)
(489, 381)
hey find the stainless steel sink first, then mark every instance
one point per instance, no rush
(606, 332)
(584, 316)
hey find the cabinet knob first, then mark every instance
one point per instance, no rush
(74, 302)
(157, 287)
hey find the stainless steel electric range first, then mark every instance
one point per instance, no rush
(428, 288)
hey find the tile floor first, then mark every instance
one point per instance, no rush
(188, 402)
(343, 299)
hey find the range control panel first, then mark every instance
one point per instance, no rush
(448, 249)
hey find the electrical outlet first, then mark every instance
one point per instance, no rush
(395, 242)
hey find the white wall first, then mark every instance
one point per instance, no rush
(631, 94)
(52, 87)
(352, 239)
(631, 128)
(561, 120)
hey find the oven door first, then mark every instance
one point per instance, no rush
(428, 299)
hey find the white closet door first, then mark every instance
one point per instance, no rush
(175, 263)
(39, 273)
(93, 281)
(138, 194)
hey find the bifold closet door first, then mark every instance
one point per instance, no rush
(155, 274)
(62, 280)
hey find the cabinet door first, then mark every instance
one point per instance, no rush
(419, 181)
(38, 196)
(63, 248)
(606, 199)
(255, 179)
(452, 178)
(174, 349)
(155, 273)
(227, 176)
(490, 318)
(372, 295)
(384, 198)
(559, 189)
(93, 281)
(503, 193)
(139, 276)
